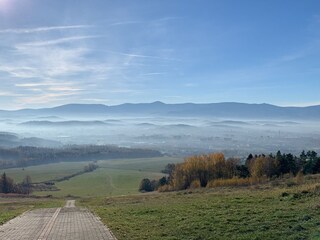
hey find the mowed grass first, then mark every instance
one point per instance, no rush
(114, 177)
(140, 164)
(215, 214)
(12, 207)
(102, 182)
(45, 172)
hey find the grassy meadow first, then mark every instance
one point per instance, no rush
(112, 178)
(45, 172)
(225, 213)
(266, 211)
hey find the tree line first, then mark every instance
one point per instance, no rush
(7, 185)
(209, 170)
(29, 156)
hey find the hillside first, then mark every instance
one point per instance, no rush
(226, 213)
(8, 139)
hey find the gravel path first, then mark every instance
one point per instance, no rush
(68, 223)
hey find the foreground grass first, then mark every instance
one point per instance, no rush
(288, 213)
(12, 207)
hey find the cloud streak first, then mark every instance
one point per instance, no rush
(134, 55)
(56, 41)
(43, 29)
(9, 94)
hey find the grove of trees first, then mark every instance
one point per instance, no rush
(210, 169)
(7, 185)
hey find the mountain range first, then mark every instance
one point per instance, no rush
(230, 110)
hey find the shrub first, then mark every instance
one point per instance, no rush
(195, 184)
(90, 167)
(291, 183)
(169, 168)
(163, 181)
(165, 188)
(146, 185)
(316, 188)
(300, 178)
(258, 180)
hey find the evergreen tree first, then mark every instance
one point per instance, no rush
(5, 183)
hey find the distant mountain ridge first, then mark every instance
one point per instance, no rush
(230, 110)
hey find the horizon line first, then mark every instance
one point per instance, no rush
(161, 102)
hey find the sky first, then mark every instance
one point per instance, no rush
(55, 52)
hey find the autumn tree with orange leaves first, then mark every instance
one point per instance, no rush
(203, 168)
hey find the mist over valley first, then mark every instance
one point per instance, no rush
(173, 129)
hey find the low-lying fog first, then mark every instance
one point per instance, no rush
(172, 135)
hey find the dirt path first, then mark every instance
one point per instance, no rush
(70, 204)
(68, 223)
(111, 182)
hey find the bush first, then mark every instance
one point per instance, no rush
(90, 167)
(300, 178)
(165, 188)
(195, 184)
(146, 185)
(316, 189)
(163, 181)
(291, 183)
(169, 168)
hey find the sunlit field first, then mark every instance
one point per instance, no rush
(224, 213)
(113, 177)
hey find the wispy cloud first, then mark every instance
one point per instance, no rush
(44, 98)
(40, 84)
(9, 94)
(17, 71)
(51, 87)
(65, 89)
(58, 64)
(154, 21)
(43, 29)
(153, 74)
(135, 55)
(124, 23)
(55, 41)
(165, 19)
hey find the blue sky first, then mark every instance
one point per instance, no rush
(54, 52)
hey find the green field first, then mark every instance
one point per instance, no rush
(114, 177)
(45, 172)
(213, 214)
